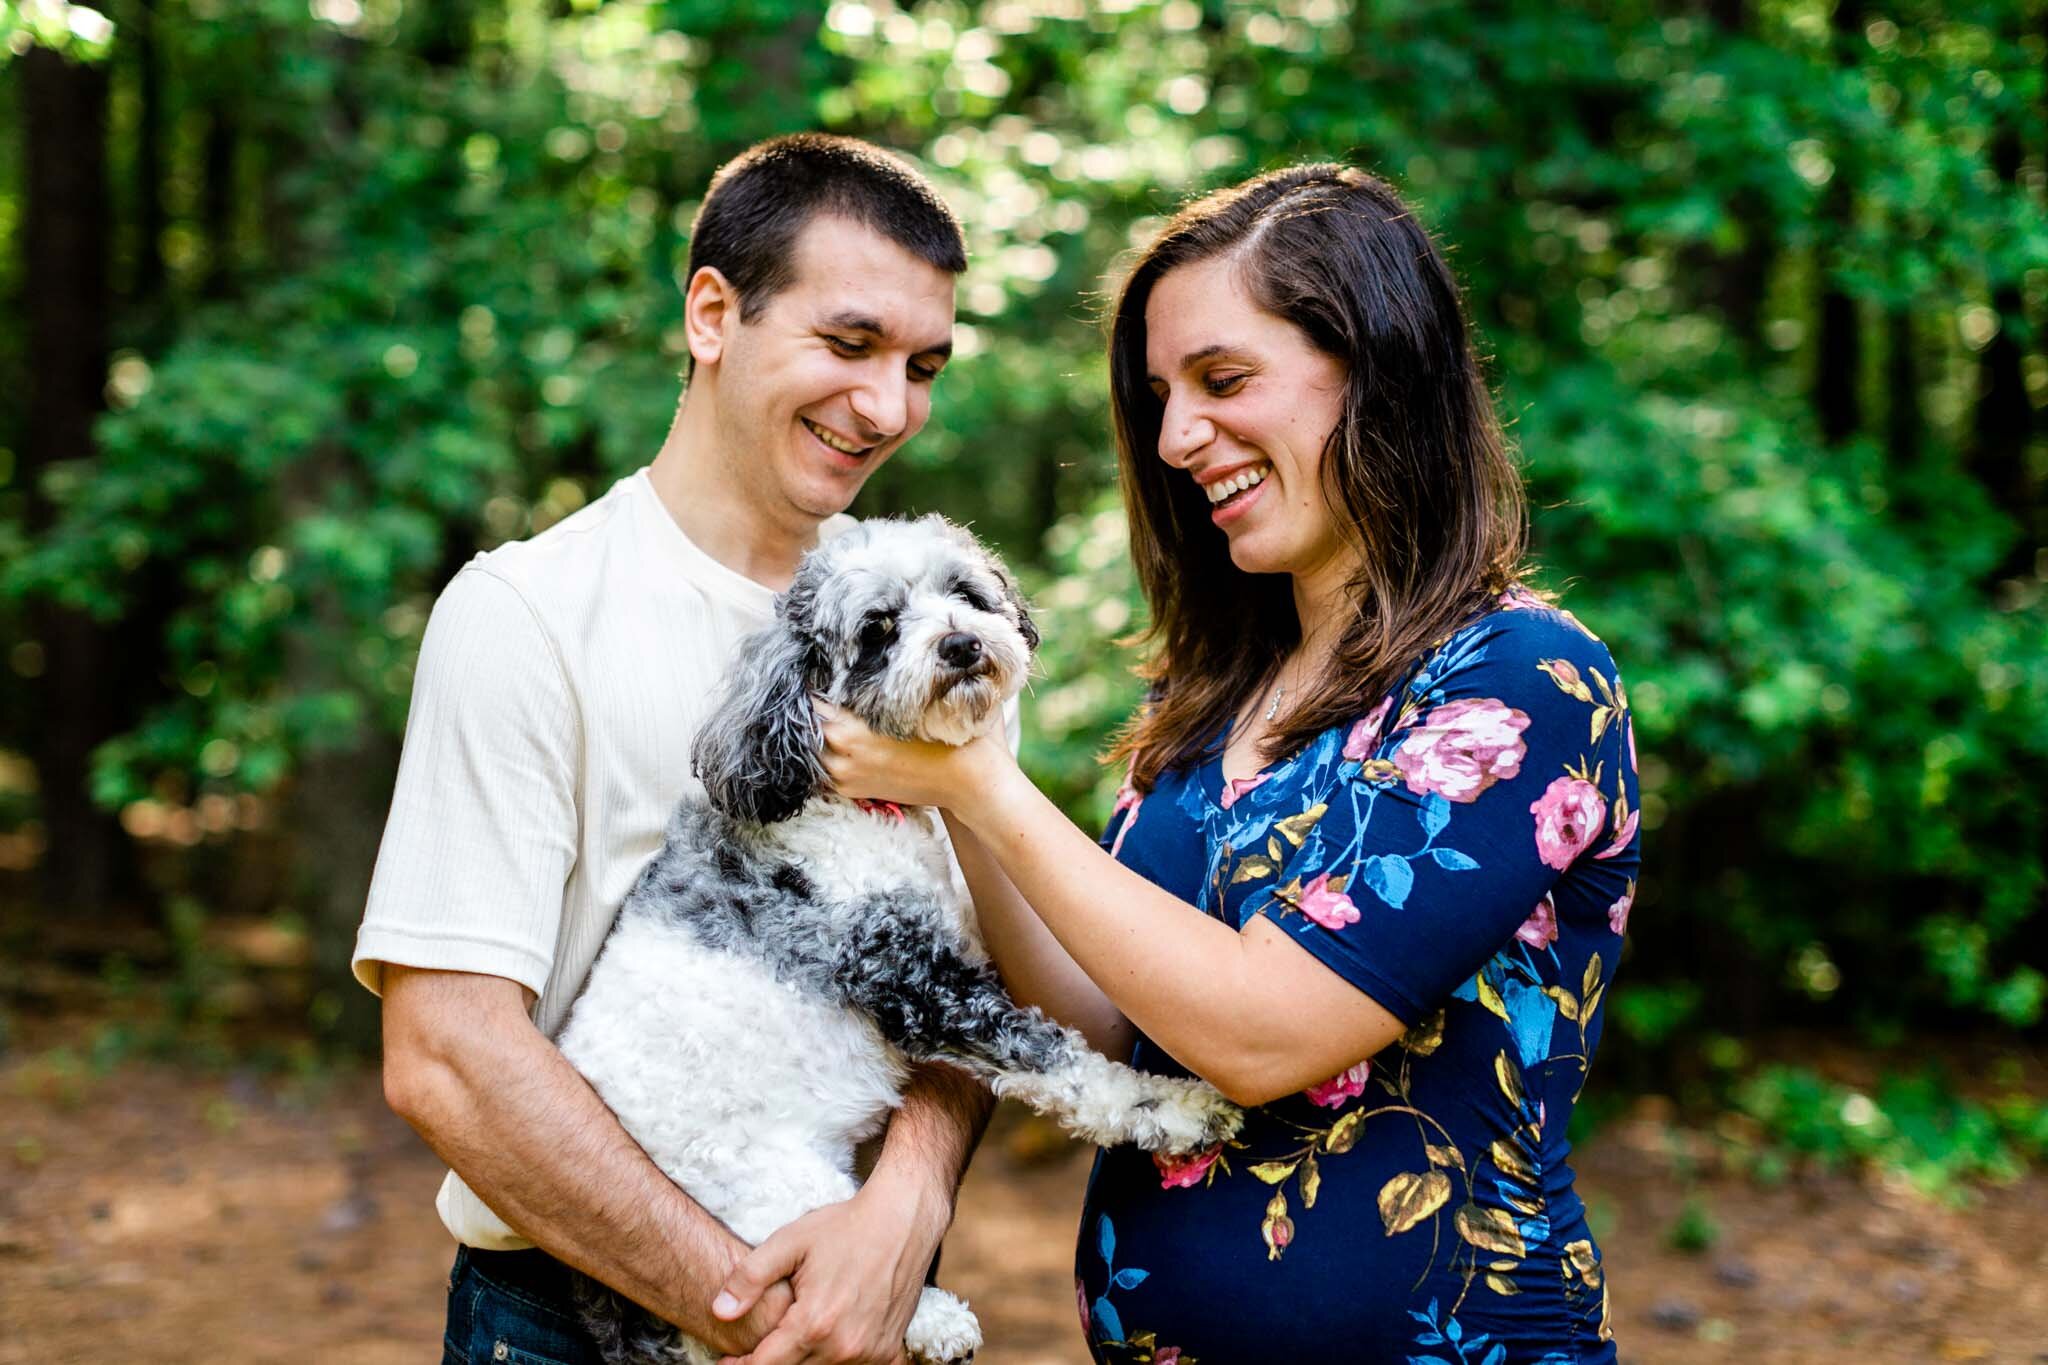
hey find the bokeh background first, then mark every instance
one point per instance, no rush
(306, 304)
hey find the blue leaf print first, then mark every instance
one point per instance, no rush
(1111, 1325)
(1450, 860)
(1454, 1332)
(1497, 1356)
(1531, 1016)
(1130, 1279)
(1108, 1246)
(1390, 878)
(1434, 813)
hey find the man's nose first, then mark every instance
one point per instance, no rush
(884, 404)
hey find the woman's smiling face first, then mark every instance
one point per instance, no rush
(1249, 407)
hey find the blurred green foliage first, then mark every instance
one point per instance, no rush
(1916, 1125)
(443, 312)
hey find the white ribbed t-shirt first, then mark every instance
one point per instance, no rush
(560, 685)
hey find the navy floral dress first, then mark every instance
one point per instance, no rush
(1466, 855)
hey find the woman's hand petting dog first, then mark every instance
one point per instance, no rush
(869, 766)
(844, 1311)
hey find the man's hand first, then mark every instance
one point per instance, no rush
(857, 1268)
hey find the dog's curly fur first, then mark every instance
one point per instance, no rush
(788, 955)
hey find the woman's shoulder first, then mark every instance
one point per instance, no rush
(1520, 628)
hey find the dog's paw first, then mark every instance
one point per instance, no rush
(943, 1331)
(1196, 1119)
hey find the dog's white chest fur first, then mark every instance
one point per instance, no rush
(848, 853)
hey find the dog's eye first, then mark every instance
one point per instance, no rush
(966, 593)
(876, 630)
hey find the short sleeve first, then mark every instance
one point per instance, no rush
(1496, 788)
(483, 826)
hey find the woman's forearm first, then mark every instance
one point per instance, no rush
(1251, 1013)
(1035, 969)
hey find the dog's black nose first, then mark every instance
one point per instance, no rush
(961, 649)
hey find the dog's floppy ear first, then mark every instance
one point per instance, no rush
(757, 754)
(1025, 625)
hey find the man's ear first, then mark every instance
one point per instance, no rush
(757, 754)
(711, 307)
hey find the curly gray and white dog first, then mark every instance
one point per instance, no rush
(789, 954)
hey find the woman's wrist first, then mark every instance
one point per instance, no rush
(978, 769)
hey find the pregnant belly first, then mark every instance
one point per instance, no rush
(1192, 1268)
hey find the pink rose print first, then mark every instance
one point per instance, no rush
(1181, 1172)
(1358, 745)
(1237, 787)
(1621, 836)
(1568, 819)
(1166, 1355)
(1462, 748)
(1519, 598)
(1127, 798)
(1540, 929)
(1081, 1297)
(1617, 913)
(1331, 909)
(1332, 1093)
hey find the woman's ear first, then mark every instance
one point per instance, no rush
(757, 754)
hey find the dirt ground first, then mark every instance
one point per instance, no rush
(156, 1214)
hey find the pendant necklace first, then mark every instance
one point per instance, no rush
(1274, 709)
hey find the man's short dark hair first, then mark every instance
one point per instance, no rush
(762, 199)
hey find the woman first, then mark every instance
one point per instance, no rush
(1371, 870)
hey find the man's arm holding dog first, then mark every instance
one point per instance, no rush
(492, 1096)
(896, 1221)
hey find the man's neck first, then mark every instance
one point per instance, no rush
(719, 518)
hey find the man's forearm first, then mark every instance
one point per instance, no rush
(509, 1114)
(931, 1137)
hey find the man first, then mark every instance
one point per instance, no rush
(560, 685)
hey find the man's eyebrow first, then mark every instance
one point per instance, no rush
(863, 322)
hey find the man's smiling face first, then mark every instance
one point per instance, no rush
(834, 371)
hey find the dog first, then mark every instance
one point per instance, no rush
(790, 954)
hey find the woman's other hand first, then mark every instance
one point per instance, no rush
(868, 766)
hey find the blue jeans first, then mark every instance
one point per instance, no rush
(513, 1308)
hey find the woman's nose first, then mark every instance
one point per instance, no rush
(1182, 432)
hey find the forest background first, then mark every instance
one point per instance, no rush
(306, 304)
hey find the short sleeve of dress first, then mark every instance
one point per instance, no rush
(1493, 793)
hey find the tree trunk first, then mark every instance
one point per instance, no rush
(334, 807)
(148, 283)
(1838, 354)
(87, 857)
(2004, 420)
(1738, 280)
(217, 205)
(1905, 425)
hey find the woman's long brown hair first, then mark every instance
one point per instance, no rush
(1417, 473)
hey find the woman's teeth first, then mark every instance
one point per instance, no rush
(829, 439)
(1225, 488)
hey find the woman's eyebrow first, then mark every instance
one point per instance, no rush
(1213, 349)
